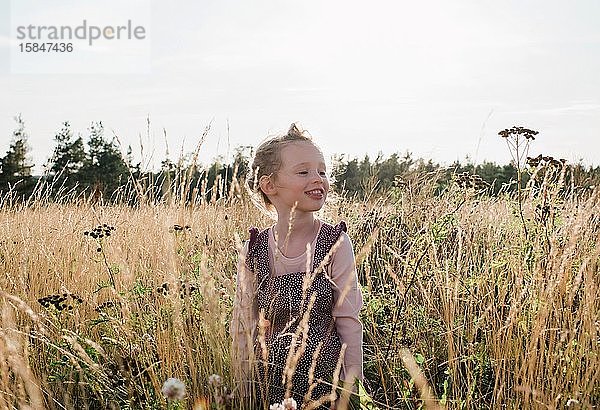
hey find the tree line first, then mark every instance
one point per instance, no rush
(95, 167)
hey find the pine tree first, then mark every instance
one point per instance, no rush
(16, 166)
(68, 156)
(103, 168)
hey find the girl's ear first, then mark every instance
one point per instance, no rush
(266, 185)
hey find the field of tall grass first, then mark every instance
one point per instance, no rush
(497, 299)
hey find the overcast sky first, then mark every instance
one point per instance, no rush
(437, 78)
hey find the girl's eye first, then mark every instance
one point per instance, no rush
(321, 173)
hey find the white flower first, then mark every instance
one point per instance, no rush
(214, 380)
(173, 389)
(276, 406)
(289, 404)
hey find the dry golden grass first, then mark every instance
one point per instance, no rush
(492, 317)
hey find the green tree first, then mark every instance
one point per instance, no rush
(104, 168)
(347, 176)
(67, 158)
(16, 166)
(497, 176)
(392, 167)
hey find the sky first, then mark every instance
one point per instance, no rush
(436, 78)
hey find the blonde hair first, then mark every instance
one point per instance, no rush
(267, 161)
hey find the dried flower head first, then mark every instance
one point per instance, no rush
(545, 160)
(466, 180)
(178, 228)
(163, 289)
(185, 289)
(173, 389)
(289, 404)
(516, 132)
(106, 305)
(214, 380)
(100, 231)
(61, 301)
(534, 161)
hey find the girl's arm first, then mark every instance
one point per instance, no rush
(243, 325)
(347, 304)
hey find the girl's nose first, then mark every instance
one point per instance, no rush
(318, 177)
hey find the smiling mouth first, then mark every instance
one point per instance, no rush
(316, 193)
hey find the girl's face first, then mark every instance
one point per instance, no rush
(302, 178)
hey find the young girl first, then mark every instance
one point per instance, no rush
(295, 327)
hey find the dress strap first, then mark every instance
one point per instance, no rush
(253, 237)
(257, 244)
(328, 237)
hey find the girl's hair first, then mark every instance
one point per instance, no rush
(267, 161)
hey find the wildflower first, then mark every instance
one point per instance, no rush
(534, 161)
(99, 233)
(186, 289)
(515, 132)
(179, 228)
(214, 380)
(173, 389)
(163, 289)
(466, 180)
(289, 404)
(60, 301)
(106, 305)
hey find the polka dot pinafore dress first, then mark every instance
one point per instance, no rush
(281, 300)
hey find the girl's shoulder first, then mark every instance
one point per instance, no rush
(338, 228)
(252, 247)
(331, 235)
(255, 234)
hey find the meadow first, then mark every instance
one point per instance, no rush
(497, 298)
